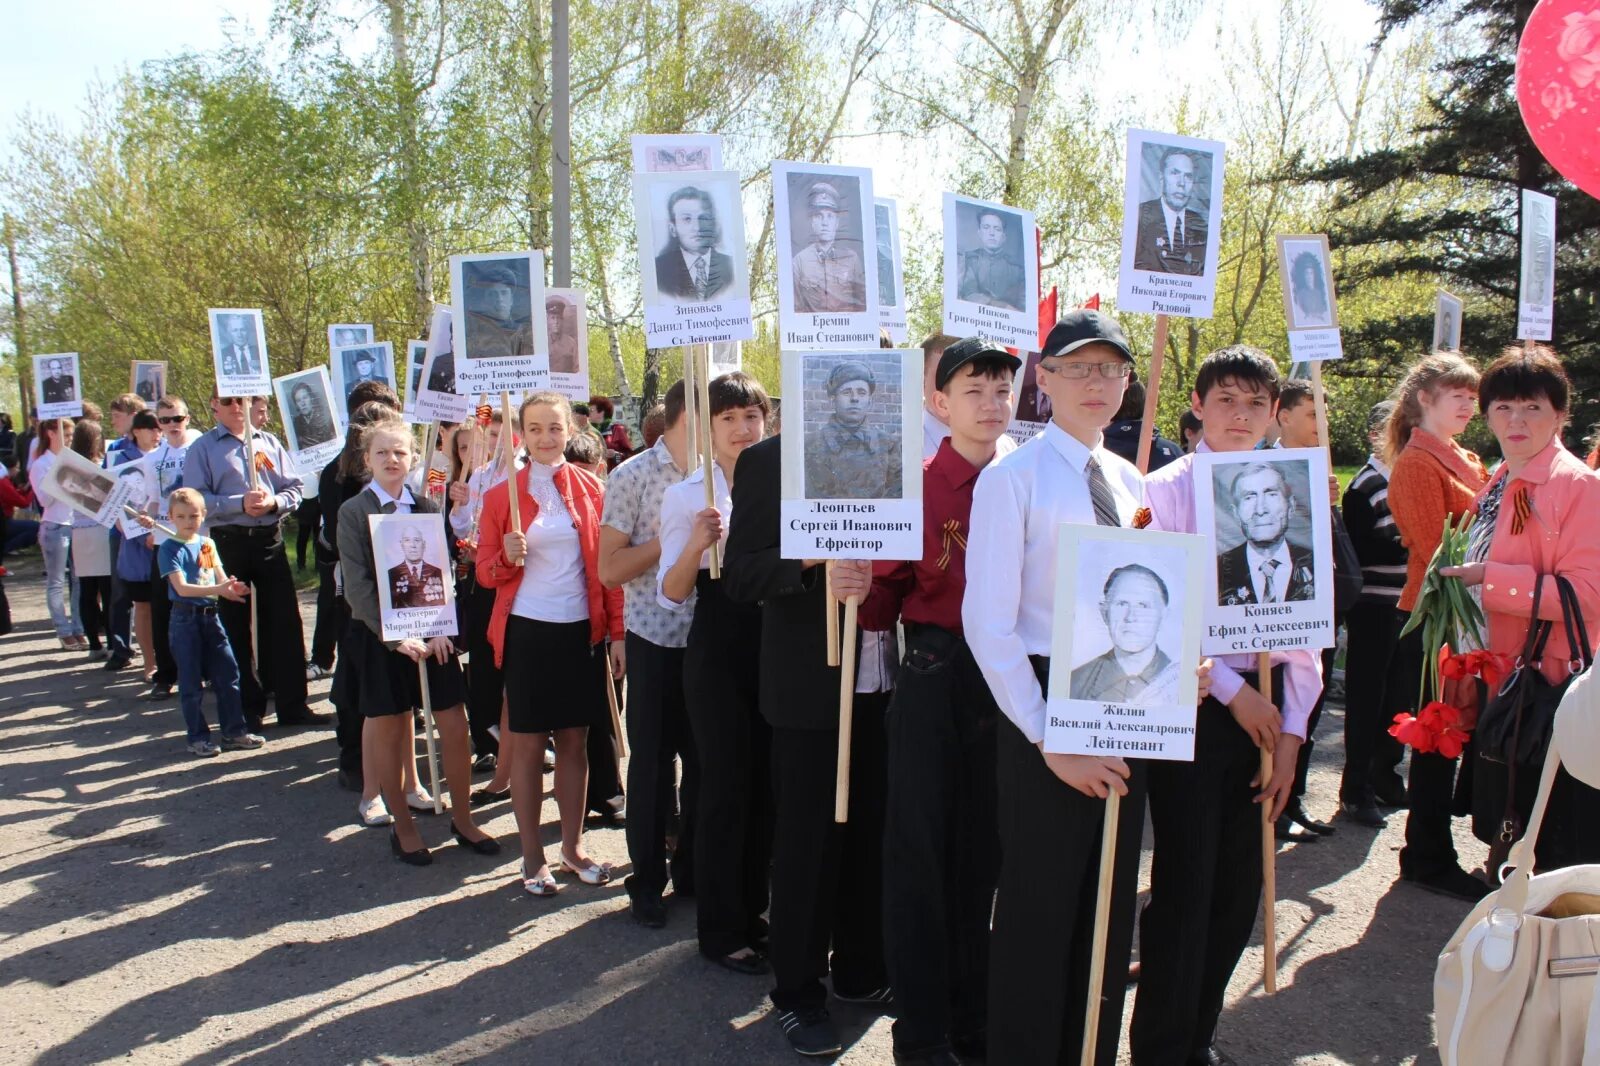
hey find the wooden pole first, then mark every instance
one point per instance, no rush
(847, 710)
(1320, 398)
(428, 736)
(1113, 812)
(707, 449)
(1269, 851)
(833, 614)
(509, 450)
(479, 459)
(616, 712)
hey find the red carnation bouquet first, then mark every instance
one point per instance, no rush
(1449, 617)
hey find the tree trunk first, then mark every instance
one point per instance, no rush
(19, 325)
(410, 195)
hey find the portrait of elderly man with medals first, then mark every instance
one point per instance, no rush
(1267, 567)
(415, 582)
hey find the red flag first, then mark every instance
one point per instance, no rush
(1092, 303)
(1047, 314)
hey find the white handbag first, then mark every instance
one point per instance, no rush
(1516, 985)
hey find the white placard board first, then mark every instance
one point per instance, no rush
(57, 386)
(346, 334)
(373, 361)
(891, 269)
(438, 400)
(86, 487)
(416, 589)
(1310, 309)
(313, 420)
(141, 494)
(497, 316)
(416, 355)
(1171, 225)
(693, 277)
(567, 324)
(1447, 309)
(239, 351)
(676, 153)
(147, 379)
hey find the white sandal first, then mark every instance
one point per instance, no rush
(539, 886)
(592, 874)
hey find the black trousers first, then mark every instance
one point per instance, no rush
(1044, 909)
(658, 733)
(941, 844)
(94, 606)
(308, 518)
(256, 556)
(827, 879)
(160, 623)
(347, 716)
(1431, 784)
(1205, 887)
(605, 775)
(1302, 765)
(734, 808)
(332, 612)
(486, 682)
(119, 630)
(1370, 701)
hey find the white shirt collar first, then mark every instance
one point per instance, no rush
(405, 496)
(1380, 466)
(1071, 448)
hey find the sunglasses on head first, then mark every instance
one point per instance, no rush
(168, 420)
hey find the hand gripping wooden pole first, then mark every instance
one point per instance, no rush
(702, 380)
(509, 450)
(1269, 851)
(847, 708)
(1113, 813)
(833, 613)
(428, 733)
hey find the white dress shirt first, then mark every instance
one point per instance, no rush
(553, 587)
(679, 504)
(1018, 506)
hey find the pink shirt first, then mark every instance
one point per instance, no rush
(1169, 493)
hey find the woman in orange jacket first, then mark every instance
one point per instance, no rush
(549, 627)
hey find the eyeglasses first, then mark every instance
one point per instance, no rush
(1079, 371)
(171, 420)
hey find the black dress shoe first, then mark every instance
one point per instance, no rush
(1390, 790)
(487, 846)
(1451, 881)
(119, 661)
(1297, 814)
(1285, 829)
(1210, 1057)
(304, 718)
(352, 781)
(421, 857)
(485, 796)
(1364, 812)
(810, 1031)
(752, 965)
(649, 911)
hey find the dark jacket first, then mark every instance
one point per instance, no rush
(1151, 248)
(672, 275)
(1234, 585)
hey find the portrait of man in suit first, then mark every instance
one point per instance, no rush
(846, 457)
(1267, 567)
(148, 384)
(1133, 603)
(690, 267)
(309, 417)
(239, 354)
(828, 275)
(415, 582)
(496, 327)
(990, 273)
(59, 385)
(563, 330)
(1171, 236)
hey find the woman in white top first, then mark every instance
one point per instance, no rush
(548, 629)
(733, 830)
(55, 537)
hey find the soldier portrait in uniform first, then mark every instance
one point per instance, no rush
(1310, 301)
(60, 383)
(827, 272)
(442, 371)
(560, 317)
(310, 419)
(852, 429)
(413, 581)
(691, 266)
(364, 362)
(1173, 209)
(990, 244)
(1259, 561)
(1134, 603)
(498, 302)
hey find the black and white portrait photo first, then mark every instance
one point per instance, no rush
(361, 363)
(80, 483)
(1446, 322)
(140, 480)
(498, 308)
(147, 379)
(239, 351)
(690, 242)
(437, 399)
(1309, 284)
(56, 387)
(676, 153)
(416, 355)
(852, 428)
(990, 246)
(416, 594)
(347, 334)
(1264, 552)
(1538, 248)
(1171, 226)
(827, 267)
(1033, 406)
(1134, 602)
(690, 265)
(569, 342)
(305, 400)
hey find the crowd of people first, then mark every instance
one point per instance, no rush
(960, 892)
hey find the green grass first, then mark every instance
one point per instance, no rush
(1344, 474)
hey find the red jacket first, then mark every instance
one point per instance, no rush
(11, 498)
(584, 495)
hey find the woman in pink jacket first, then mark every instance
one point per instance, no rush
(1538, 517)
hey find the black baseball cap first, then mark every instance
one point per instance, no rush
(967, 350)
(1081, 327)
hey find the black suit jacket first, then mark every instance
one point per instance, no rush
(1150, 248)
(673, 279)
(799, 690)
(1235, 587)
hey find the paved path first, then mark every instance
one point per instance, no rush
(155, 908)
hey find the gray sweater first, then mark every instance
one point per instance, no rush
(356, 561)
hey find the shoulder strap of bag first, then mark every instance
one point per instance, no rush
(1513, 895)
(1572, 618)
(1538, 629)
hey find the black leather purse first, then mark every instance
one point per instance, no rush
(1516, 722)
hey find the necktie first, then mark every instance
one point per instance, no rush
(1105, 505)
(1177, 230)
(1268, 593)
(700, 276)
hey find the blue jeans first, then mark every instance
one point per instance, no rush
(60, 584)
(201, 648)
(20, 532)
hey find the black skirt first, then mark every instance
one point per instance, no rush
(555, 679)
(375, 682)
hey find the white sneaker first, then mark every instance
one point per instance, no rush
(373, 813)
(419, 800)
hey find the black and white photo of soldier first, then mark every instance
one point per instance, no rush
(1134, 602)
(562, 326)
(1446, 322)
(1308, 290)
(238, 354)
(992, 273)
(1536, 266)
(885, 243)
(149, 382)
(442, 374)
(1267, 567)
(849, 453)
(499, 319)
(1171, 236)
(827, 272)
(59, 384)
(309, 416)
(690, 267)
(414, 582)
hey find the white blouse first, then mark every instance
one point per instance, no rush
(679, 504)
(553, 586)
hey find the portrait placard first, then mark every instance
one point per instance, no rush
(496, 314)
(239, 352)
(1446, 322)
(1171, 225)
(1310, 310)
(57, 386)
(313, 422)
(1032, 412)
(1536, 293)
(140, 475)
(362, 362)
(991, 275)
(1122, 672)
(693, 276)
(437, 400)
(726, 358)
(891, 269)
(416, 591)
(91, 552)
(416, 354)
(1266, 514)
(852, 454)
(827, 298)
(676, 153)
(346, 334)
(147, 379)
(89, 489)
(567, 324)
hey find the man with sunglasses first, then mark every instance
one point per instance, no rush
(244, 516)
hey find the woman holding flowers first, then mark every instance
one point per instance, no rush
(1434, 481)
(1537, 519)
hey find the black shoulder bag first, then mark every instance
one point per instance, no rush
(1516, 722)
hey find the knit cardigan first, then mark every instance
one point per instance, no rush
(1433, 479)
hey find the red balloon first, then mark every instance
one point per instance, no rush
(1558, 87)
